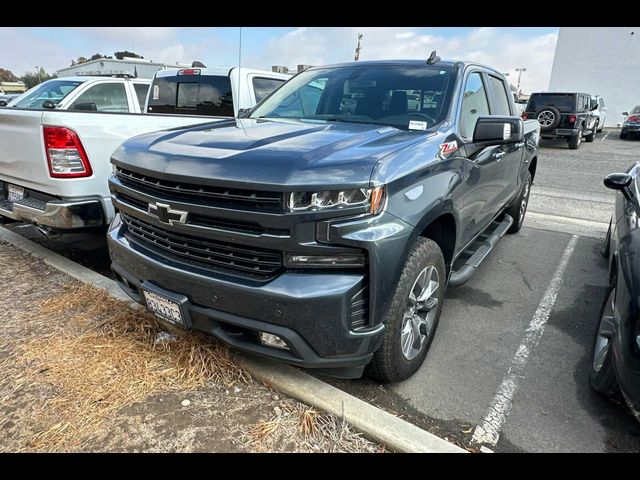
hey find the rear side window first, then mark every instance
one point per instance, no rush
(141, 92)
(264, 86)
(103, 97)
(474, 104)
(564, 102)
(500, 98)
(192, 95)
(581, 103)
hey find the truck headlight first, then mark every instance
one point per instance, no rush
(372, 197)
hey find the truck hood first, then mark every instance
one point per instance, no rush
(278, 155)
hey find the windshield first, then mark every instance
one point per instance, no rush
(415, 97)
(52, 90)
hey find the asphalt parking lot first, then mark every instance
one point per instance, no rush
(539, 292)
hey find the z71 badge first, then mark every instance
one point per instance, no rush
(448, 148)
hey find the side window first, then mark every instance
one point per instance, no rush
(141, 92)
(580, 103)
(601, 102)
(474, 104)
(264, 86)
(500, 98)
(104, 97)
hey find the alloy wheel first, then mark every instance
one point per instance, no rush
(546, 118)
(420, 312)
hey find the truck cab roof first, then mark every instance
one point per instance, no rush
(220, 71)
(413, 63)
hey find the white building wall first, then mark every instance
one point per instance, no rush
(601, 61)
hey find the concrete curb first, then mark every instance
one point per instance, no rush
(375, 424)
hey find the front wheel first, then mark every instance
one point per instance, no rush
(413, 315)
(519, 209)
(601, 374)
(592, 136)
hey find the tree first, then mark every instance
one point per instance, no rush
(32, 79)
(125, 53)
(7, 76)
(97, 56)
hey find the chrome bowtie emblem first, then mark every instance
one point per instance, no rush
(165, 214)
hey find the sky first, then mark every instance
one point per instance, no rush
(504, 48)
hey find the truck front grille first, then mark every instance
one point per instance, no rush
(212, 255)
(202, 194)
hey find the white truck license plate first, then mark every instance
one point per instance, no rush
(164, 308)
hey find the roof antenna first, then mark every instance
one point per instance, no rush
(433, 58)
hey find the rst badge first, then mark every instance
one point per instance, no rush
(165, 214)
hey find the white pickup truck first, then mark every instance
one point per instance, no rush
(56, 139)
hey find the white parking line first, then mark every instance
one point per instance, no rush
(605, 137)
(488, 432)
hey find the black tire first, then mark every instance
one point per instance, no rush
(623, 134)
(592, 136)
(603, 378)
(574, 142)
(389, 363)
(515, 210)
(548, 118)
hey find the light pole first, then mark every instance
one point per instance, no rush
(38, 73)
(520, 70)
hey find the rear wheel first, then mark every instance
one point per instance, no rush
(623, 134)
(413, 316)
(601, 374)
(519, 209)
(576, 140)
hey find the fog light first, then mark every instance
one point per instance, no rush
(350, 260)
(271, 340)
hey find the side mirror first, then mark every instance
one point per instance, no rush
(626, 114)
(3, 103)
(497, 130)
(88, 106)
(594, 107)
(48, 104)
(243, 112)
(619, 181)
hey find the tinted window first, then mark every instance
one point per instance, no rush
(192, 95)
(474, 104)
(500, 98)
(264, 86)
(104, 97)
(53, 90)
(562, 101)
(389, 95)
(141, 92)
(581, 103)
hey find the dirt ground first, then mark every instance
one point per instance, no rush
(82, 372)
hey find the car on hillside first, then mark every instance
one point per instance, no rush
(323, 228)
(566, 116)
(615, 361)
(631, 124)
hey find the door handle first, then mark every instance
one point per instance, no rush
(519, 145)
(499, 155)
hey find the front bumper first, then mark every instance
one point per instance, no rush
(59, 214)
(309, 310)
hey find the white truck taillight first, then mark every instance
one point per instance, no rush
(65, 153)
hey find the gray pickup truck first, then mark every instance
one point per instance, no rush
(323, 227)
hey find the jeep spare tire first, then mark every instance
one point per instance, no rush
(548, 118)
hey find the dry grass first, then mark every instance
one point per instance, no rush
(107, 359)
(321, 431)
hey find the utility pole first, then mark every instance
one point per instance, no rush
(38, 73)
(357, 57)
(520, 70)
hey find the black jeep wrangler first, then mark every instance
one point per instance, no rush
(563, 116)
